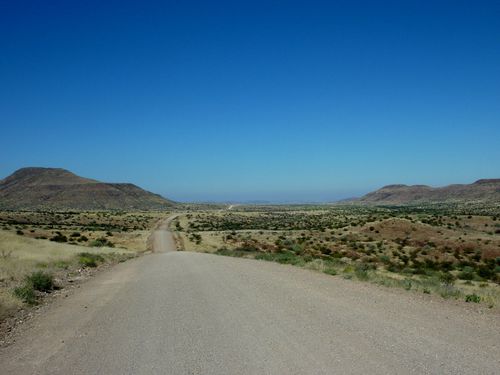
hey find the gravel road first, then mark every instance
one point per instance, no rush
(189, 313)
(163, 240)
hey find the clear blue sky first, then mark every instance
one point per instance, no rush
(251, 100)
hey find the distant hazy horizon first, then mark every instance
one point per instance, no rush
(261, 197)
(284, 197)
(305, 196)
(232, 101)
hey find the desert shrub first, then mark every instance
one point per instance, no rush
(472, 298)
(100, 242)
(296, 248)
(26, 293)
(361, 271)
(41, 281)
(307, 258)
(223, 251)
(447, 278)
(466, 274)
(87, 262)
(407, 284)
(284, 258)
(485, 272)
(89, 259)
(385, 259)
(446, 266)
(393, 267)
(247, 248)
(37, 281)
(195, 237)
(448, 291)
(330, 271)
(59, 237)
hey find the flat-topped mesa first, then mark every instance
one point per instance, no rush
(35, 188)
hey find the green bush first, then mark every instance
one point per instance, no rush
(59, 237)
(100, 242)
(407, 284)
(26, 293)
(485, 272)
(466, 274)
(472, 298)
(330, 271)
(40, 281)
(361, 270)
(447, 278)
(87, 262)
(89, 259)
(284, 258)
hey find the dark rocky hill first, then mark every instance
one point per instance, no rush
(59, 189)
(487, 190)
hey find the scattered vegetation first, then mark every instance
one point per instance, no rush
(37, 248)
(94, 229)
(444, 249)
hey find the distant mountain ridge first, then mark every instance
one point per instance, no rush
(35, 188)
(487, 190)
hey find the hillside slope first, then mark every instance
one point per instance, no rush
(486, 190)
(58, 189)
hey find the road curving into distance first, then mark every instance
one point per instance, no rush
(189, 313)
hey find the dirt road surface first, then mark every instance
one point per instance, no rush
(163, 240)
(189, 313)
